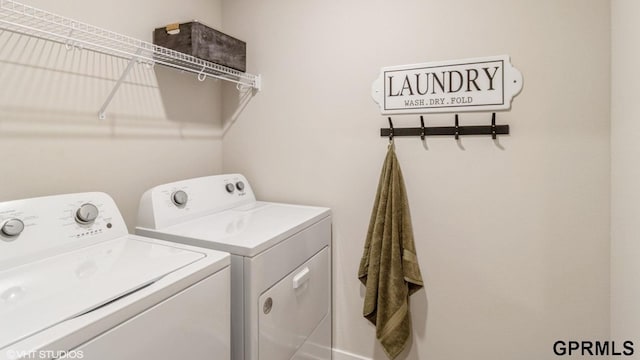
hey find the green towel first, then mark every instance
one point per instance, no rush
(389, 266)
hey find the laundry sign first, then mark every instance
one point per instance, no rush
(480, 84)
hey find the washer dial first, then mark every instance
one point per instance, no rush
(12, 227)
(86, 214)
(179, 198)
(230, 188)
(240, 186)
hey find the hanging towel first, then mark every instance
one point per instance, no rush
(389, 267)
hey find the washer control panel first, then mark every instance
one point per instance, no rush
(41, 225)
(169, 204)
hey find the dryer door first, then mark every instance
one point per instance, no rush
(293, 308)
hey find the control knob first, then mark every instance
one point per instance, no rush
(179, 198)
(12, 227)
(86, 214)
(230, 188)
(240, 186)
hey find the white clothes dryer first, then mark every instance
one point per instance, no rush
(74, 284)
(280, 261)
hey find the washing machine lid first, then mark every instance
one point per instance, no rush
(245, 230)
(41, 294)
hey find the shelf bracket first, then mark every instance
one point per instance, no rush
(101, 114)
(258, 82)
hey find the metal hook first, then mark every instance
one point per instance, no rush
(390, 131)
(457, 133)
(69, 43)
(202, 76)
(422, 135)
(493, 126)
(242, 87)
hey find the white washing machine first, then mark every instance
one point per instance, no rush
(75, 285)
(280, 261)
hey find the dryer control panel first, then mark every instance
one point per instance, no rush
(176, 202)
(44, 226)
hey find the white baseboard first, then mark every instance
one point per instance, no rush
(343, 355)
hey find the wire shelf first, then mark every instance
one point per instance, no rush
(31, 21)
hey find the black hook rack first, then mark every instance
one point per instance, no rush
(456, 130)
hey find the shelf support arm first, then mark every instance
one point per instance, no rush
(101, 114)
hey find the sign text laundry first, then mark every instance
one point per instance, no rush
(483, 84)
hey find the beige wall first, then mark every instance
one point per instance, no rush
(625, 173)
(162, 125)
(513, 238)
